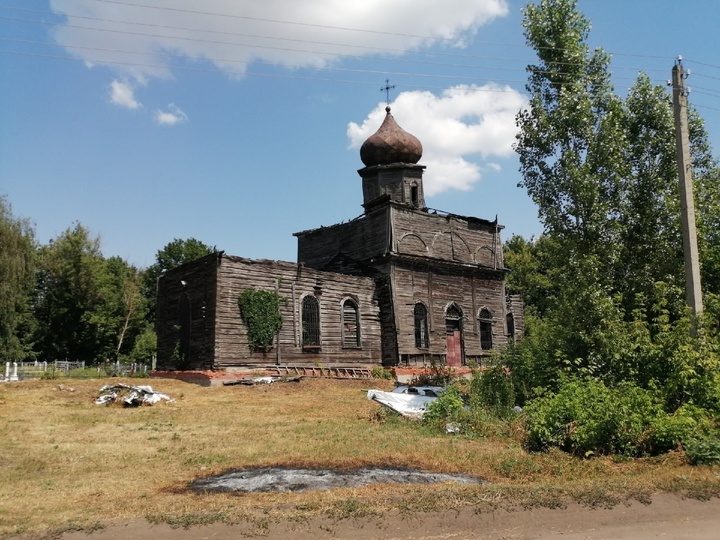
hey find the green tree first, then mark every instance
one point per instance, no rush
(609, 276)
(570, 135)
(17, 264)
(570, 142)
(67, 296)
(530, 271)
(120, 313)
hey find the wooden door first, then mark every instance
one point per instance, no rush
(454, 348)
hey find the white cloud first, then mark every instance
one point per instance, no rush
(170, 117)
(135, 38)
(463, 125)
(123, 94)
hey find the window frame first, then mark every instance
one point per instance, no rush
(421, 327)
(510, 323)
(344, 321)
(312, 319)
(485, 329)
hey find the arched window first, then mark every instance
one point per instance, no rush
(414, 194)
(485, 323)
(421, 327)
(310, 322)
(510, 327)
(350, 324)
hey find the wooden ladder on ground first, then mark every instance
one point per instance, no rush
(329, 372)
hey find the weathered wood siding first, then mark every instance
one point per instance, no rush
(196, 283)
(293, 282)
(438, 288)
(362, 239)
(516, 306)
(446, 237)
(395, 182)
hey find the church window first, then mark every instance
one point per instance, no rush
(510, 327)
(414, 195)
(310, 323)
(485, 322)
(350, 324)
(421, 327)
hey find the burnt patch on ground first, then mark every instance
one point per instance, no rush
(276, 479)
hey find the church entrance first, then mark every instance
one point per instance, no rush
(453, 336)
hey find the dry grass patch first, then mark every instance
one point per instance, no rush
(70, 463)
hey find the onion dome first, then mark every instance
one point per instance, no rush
(390, 144)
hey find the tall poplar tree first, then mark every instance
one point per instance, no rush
(569, 144)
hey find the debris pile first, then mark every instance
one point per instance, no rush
(129, 396)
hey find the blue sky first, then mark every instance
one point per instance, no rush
(237, 122)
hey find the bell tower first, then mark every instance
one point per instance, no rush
(391, 171)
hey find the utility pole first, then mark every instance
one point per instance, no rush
(693, 292)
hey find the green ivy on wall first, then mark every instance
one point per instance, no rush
(260, 311)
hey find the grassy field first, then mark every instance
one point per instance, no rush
(68, 464)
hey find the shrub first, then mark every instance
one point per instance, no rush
(379, 372)
(449, 407)
(492, 389)
(586, 417)
(704, 450)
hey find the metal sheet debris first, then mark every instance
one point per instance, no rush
(130, 396)
(410, 405)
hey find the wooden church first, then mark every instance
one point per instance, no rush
(400, 285)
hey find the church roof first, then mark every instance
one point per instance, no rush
(390, 144)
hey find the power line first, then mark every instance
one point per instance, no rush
(292, 50)
(296, 40)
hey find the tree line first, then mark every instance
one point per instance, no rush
(613, 361)
(66, 301)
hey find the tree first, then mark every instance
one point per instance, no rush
(570, 135)
(530, 271)
(650, 241)
(603, 173)
(120, 313)
(570, 143)
(67, 297)
(17, 265)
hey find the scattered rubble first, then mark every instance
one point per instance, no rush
(261, 380)
(129, 396)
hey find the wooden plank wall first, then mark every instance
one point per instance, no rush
(437, 288)
(294, 282)
(200, 286)
(361, 240)
(446, 237)
(516, 306)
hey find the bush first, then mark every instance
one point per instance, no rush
(493, 390)
(449, 407)
(379, 372)
(586, 417)
(704, 450)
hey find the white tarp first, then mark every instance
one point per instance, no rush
(410, 405)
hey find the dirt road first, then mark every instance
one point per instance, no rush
(668, 517)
